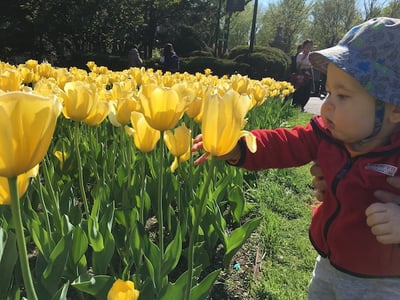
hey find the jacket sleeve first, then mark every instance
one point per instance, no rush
(280, 148)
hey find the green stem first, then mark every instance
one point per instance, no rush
(178, 196)
(160, 217)
(55, 210)
(80, 171)
(46, 216)
(199, 211)
(142, 176)
(19, 231)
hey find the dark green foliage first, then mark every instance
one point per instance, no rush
(114, 63)
(188, 40)
(207, 53)
(265, 61)
(218, 66)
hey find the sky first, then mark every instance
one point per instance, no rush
(263, 4)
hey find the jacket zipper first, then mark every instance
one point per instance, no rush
(339, 176)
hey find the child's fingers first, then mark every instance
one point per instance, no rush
(201, 159)
(385, 196)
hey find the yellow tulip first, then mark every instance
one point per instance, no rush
(27, 75)
(10, 80)
(144, 136)
(63, 76)
(223, 119)
(27, 123)
(124, 109)
(98, 113)
(47, 87)
(79, 99)
(112, 115)
(91, 65)
(123, 290)
(195, 107)
(178, 143)
(240, 83)
(22, 184)
(162, 108)
(61, 156)
(207, 71)
(32, 64)
(46, 70)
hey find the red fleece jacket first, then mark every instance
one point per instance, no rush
(338, 228)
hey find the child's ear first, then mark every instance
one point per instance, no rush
(394, 114)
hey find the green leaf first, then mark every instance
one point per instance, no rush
(56, 264)
(221, 187)
(75, 215)
(202, 290)
(237, 203)
(121, 175)
(8, 259)
(101, 260)
(41, 237)
(135, 242)
(95, 236)
(97, 286)
(172, 253)
(216, 224)
(238, 237)
(176, 290)
(79, 244)
(150, 269)
(61, 293)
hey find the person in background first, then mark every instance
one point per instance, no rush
(303, 80)
(356, 142)
(134, 59)
(293, 66)
(319, 81)
(169, 60)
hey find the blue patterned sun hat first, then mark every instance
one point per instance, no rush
(369, 52)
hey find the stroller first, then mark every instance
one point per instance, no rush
(318, 84)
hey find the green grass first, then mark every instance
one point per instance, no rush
(284, 198)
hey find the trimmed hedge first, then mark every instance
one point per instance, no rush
(218, 66)
(263, 62)
(114, 63)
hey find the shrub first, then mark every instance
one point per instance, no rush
(264, 61)
(114, 63)
(218, 66)
(263, 65)
(202, 53)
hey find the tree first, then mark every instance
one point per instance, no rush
(283, 24)
(371, 9)
(331, 19)
(240, 27)
(392, 10)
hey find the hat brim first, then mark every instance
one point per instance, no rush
(336, 55)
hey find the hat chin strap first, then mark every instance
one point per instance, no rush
(379, 116)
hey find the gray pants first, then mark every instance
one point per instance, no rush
(329, 283)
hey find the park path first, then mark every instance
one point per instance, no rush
(313, 105)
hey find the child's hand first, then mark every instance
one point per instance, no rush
(232, 157)
(196, 147)
(384, 220)
(318, 181)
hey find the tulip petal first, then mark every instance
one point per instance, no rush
(27, 123)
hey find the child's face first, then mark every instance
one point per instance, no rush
(349, 110)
